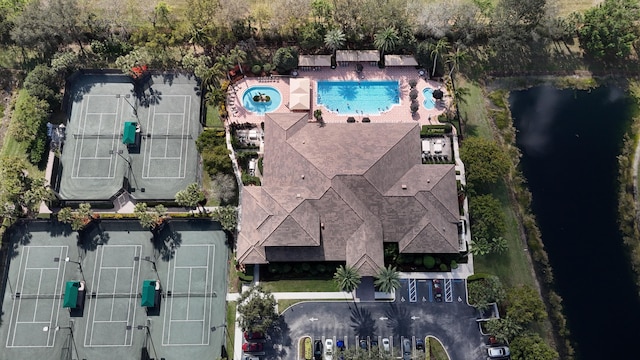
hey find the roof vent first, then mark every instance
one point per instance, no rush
(404, 187)
(298, 196)
(428, 181)
(302, 176)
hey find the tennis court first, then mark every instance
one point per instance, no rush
(184, 320)
(100, 156)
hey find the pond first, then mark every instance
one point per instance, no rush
(569, 140)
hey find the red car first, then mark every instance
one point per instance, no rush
(256, 335)
(252, 347)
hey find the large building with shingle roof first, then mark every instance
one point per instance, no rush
(337, 192)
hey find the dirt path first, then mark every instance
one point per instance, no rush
(8, 84)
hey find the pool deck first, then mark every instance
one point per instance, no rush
(397, 113)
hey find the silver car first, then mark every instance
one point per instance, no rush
(385, 345)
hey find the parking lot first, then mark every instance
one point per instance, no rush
(415, 314)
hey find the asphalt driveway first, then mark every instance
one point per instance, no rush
(415, 313)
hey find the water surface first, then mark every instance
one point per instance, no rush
(569, 141)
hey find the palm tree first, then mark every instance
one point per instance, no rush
(388, 279)
(334, 40)
(386, 40)
(455, 58)
(440, 47)
(224, 63)
(238, 55)
(347, 278)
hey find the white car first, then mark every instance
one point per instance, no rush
(498, 352)
(385, 345)
(328, 349)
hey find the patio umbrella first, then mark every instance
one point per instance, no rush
(438, 94)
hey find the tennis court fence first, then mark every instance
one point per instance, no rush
(168, 294)
(115, 136)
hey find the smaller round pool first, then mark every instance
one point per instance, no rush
(429, 102)
(268, 99)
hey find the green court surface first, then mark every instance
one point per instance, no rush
(184, 319)
(97, 161)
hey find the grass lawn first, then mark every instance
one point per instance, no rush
(213, 119)
(11, 147)
(285, 303)
(231, 324)
(208, 189)
(300, 285)
(512, 267)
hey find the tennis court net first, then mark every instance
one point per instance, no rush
(168, 136)
(96, 136)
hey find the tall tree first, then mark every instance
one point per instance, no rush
(524, 305)
(335, 40)
(347, 278)
(531, 347)
(610, 29)
(227, 216)
(257, 309)
(388, 279)
(191, 196)
(438, 49)
(487, 217)
(386, 40)
(239, 56)
(150, 219)
(485, 161)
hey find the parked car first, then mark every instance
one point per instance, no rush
(363, 344)
(419, 344)
(256, 335)
(252, 347)
(317, 350)
(406, 349)
(495, 352)
(250, 357)
(386, 346)
(340, 344)
(437, 290)
(374, 343)
(328, 349)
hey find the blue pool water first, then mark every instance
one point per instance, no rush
(358, 97)
(261, 107)
(429, 102)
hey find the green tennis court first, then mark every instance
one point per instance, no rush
(114, 293)
(138, 139)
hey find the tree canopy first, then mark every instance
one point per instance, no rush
(524, 305)
(609, 30)
(484, 160)
(257, 309)
(191, 196)
(487, 218)
(531, 347)
(387, 279)
(285, 59)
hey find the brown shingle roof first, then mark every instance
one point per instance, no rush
(335, 193)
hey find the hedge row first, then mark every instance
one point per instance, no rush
(430, 130)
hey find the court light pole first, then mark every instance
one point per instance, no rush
(68, 260)
(148, 333)
(70, 328)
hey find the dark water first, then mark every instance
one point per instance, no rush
(569, 141)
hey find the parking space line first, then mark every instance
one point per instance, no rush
(448, 291)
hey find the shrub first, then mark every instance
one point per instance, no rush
(443, 267)
(414, 106)
(413, 94)
(413, 83)
(256, 70)
(250, 180)
(285, 59)
(454, 264)
(428, 261)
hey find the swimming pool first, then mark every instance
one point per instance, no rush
(429, 102)
(358, 97)
(261, 107)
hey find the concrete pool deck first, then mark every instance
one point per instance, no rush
(398, 113)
